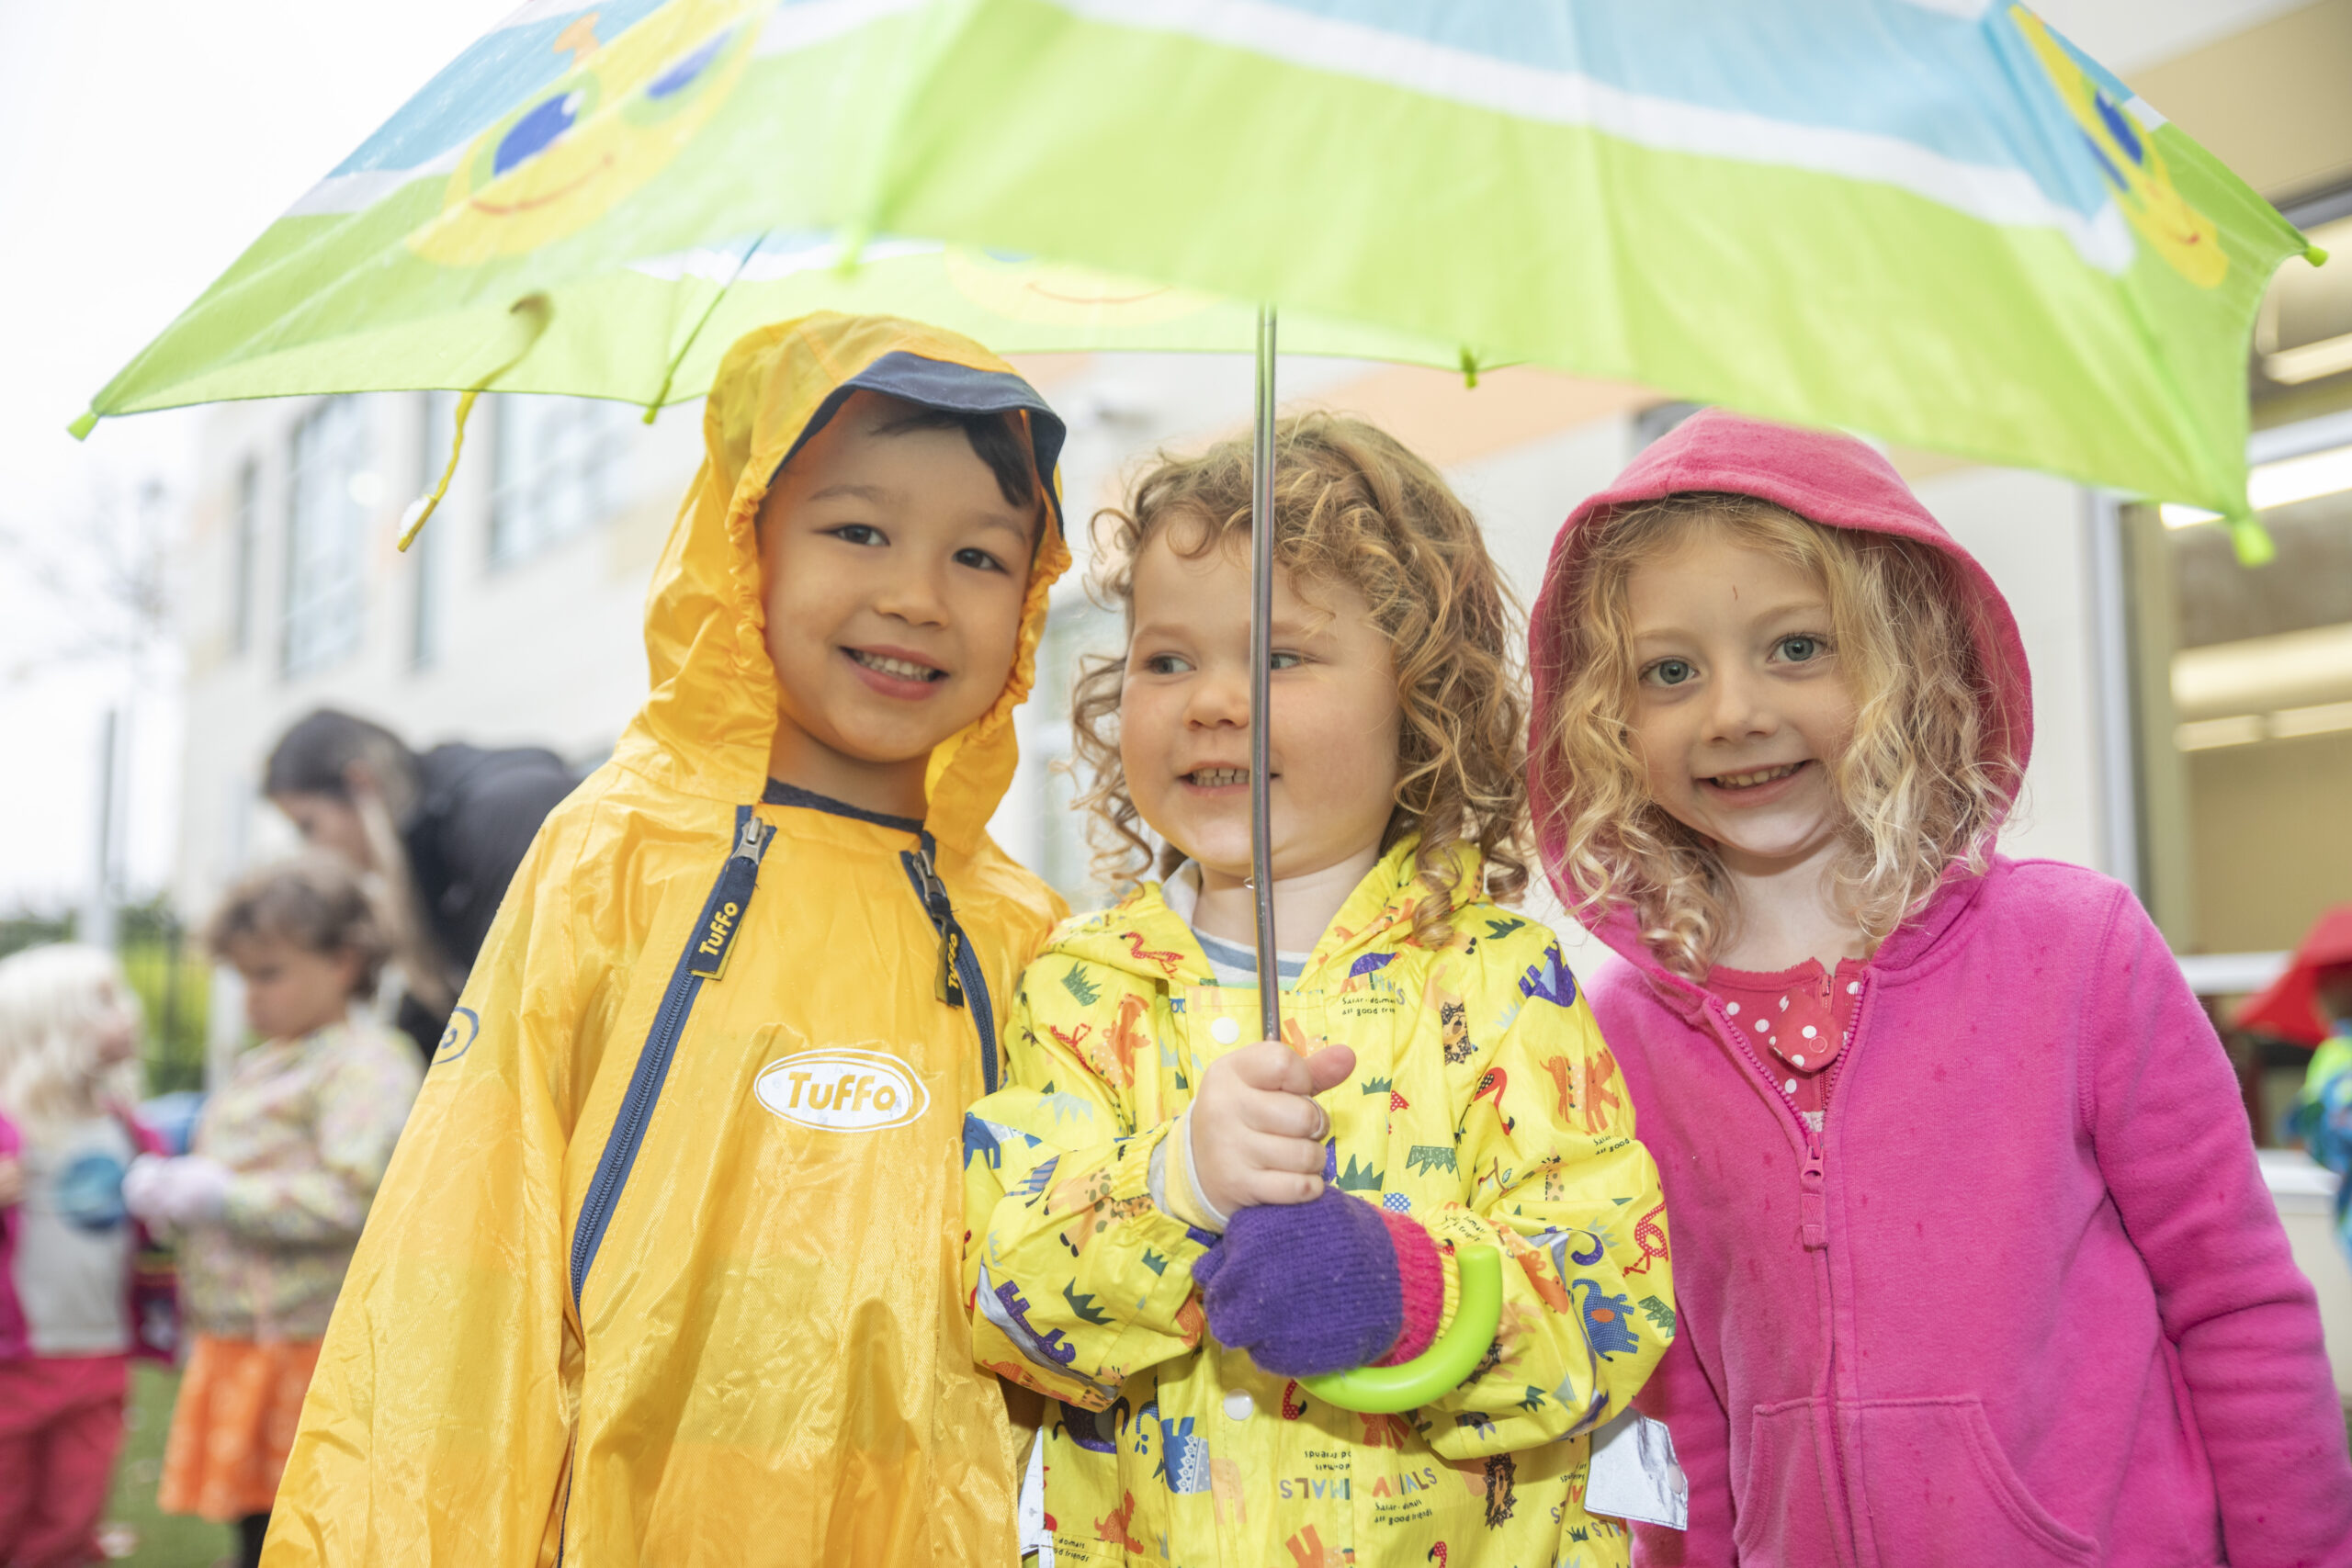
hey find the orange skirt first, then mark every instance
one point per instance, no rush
(239, 1404)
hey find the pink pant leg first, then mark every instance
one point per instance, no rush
(60, 1424)
(19, 1469)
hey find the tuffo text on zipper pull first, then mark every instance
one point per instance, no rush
(728, 901)
(947, 985)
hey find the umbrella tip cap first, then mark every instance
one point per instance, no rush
(80, 429)
(2252, 542)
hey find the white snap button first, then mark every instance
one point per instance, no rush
(1239, 1406)
(1224, 1031)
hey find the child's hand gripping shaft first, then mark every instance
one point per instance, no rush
(1256, 1135)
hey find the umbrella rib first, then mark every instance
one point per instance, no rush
(661, 393)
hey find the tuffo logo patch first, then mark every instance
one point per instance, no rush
(841, 1090)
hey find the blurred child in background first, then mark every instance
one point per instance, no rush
(69, 1323)
(269, 1204)
(2310, 1005)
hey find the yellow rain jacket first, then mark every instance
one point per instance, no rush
(666, 1268)
(1482, 1103)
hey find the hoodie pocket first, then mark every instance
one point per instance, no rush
(1784, 1518)
(1941, 1491)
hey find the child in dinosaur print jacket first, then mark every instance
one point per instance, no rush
(1172, 1220)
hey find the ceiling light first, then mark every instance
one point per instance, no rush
(2250, 728)
(2282, 483)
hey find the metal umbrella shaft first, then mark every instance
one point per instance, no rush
(1262, 632)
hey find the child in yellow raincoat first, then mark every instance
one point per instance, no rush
(1463, 1092)
(666, 1268)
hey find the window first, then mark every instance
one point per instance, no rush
(330, 494)
(439, 413)
(245, 550)
(2246, 702)
(1074, 633)
(556, 470)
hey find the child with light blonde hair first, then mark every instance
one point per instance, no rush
(76, 1303)
(1975, 1263)
(1173, 1221)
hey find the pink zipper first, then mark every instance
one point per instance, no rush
(1813, 1208)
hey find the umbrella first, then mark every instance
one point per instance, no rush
(1930, 219)
(1934, 221)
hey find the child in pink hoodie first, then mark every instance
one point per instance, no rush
(1975, 1263)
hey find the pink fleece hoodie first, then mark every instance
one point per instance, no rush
(2024, 1300)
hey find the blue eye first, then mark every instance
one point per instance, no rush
(1800, 649)
(1669, 672)
(1283, 660)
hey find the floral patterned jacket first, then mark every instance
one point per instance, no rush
(306, 1128)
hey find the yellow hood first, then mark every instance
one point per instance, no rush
(705, 731)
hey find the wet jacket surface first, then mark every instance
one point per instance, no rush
(624, 1297)
(2024, 1300)
(1484, 1104)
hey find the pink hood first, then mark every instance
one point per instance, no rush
(2022, 1298)
(1832, 479)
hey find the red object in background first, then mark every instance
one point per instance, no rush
(2288, 1009)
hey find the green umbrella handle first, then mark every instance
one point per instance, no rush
(1440, 1369)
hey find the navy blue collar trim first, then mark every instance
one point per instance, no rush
(782, 794)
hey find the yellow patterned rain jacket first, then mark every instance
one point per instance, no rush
(666, 1269)
(1482, 1103)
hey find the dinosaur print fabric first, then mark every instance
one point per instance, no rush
(1484, 1104)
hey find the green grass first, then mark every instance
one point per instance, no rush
(165, 1541)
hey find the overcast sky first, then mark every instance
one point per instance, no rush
(142, 145)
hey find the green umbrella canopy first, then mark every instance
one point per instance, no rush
(1937, 222)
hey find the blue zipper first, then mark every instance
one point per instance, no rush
(960, 982)
(703, 959)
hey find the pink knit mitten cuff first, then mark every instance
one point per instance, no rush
(1420, 1270)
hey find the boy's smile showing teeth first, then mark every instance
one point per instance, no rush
(1221, 778)
(898, 667)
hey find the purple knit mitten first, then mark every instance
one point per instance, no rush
(1305, 1288)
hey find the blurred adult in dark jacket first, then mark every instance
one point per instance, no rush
(444, 831)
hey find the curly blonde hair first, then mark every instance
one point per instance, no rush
(1352, 506)
(1924, 779)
